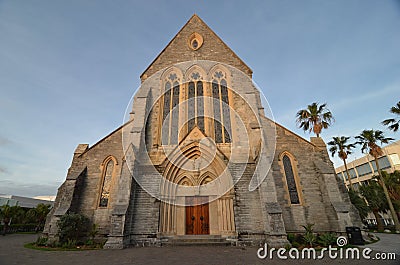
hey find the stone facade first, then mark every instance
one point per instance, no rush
(136, 186)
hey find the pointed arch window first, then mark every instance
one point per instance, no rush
(170, 115)
(195, 104)
(106, 183)
(222, 119)
(290, 180)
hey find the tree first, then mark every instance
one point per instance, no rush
(375, 197)
(393, 124)
(368, 140)
(39, 214)
(339, 145)
(359, 203)
(7, 213)
(73, 227)
(392, 181)
(314, 118)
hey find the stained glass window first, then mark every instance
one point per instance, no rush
(290, 180)
(191, 107)
(106, 186)
(226, 111)
(170, 119)
(196, 104)
(222, 119)
(200, 106)
(175, 114)
(217, 112)
(166, 110)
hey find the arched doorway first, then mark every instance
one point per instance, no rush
(192, 203)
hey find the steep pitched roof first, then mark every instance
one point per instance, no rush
(178, 50)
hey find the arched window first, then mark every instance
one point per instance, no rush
(290, 180)
(106, 183)
(222, 119)
(170, 113)
(196, 105)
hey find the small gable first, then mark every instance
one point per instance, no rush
(195, 41)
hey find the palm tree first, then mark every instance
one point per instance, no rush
(314, 118)
(39, 215)
(392, 181)
(392, 123)
(368, 140)
(340, 145)
(359, 203)
(7, 213)
(375, 197)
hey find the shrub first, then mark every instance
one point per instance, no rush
(291, 237)
(41, 241)
(73, 228)
(327, 239)
(71, 243)
(309, 237)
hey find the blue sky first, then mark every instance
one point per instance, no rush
(69, 68)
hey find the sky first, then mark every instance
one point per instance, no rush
(69, 68)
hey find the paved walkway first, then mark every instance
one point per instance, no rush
(387, 243)
(12, 252)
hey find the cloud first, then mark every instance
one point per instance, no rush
(3, 170)
(350, 102)
(4, 141)
(28, 189)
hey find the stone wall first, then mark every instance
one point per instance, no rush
(178, 50)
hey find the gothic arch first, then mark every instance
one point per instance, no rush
(222, 96)
(185, 180)
(195, 72)
(108, 171)
(171, 85)
(166, 76)
(206, 178)
(182, 155)
(290, 178)
(207, 183)
(226, 74)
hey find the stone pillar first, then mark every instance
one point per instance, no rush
(117, 239)
(277, 236)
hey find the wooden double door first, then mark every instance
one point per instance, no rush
(197, 216)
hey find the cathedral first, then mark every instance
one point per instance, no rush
(199, 158)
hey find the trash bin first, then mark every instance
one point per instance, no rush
(354, 235)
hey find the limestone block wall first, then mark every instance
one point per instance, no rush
(213, 49)
(143, 212)
(318, 188)
(81, 195)
(247, 207)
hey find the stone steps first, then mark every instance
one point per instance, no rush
(196, 240)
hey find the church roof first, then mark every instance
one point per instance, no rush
(212, 48)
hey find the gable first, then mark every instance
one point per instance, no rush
(211, 48)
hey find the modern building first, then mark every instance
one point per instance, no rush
(363, 169)
(24, 202)
(198, 158)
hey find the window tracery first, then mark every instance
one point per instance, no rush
(290, 180)
(106, 183)
(222, 119)
(170, 115)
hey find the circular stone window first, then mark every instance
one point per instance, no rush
(195, 41)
